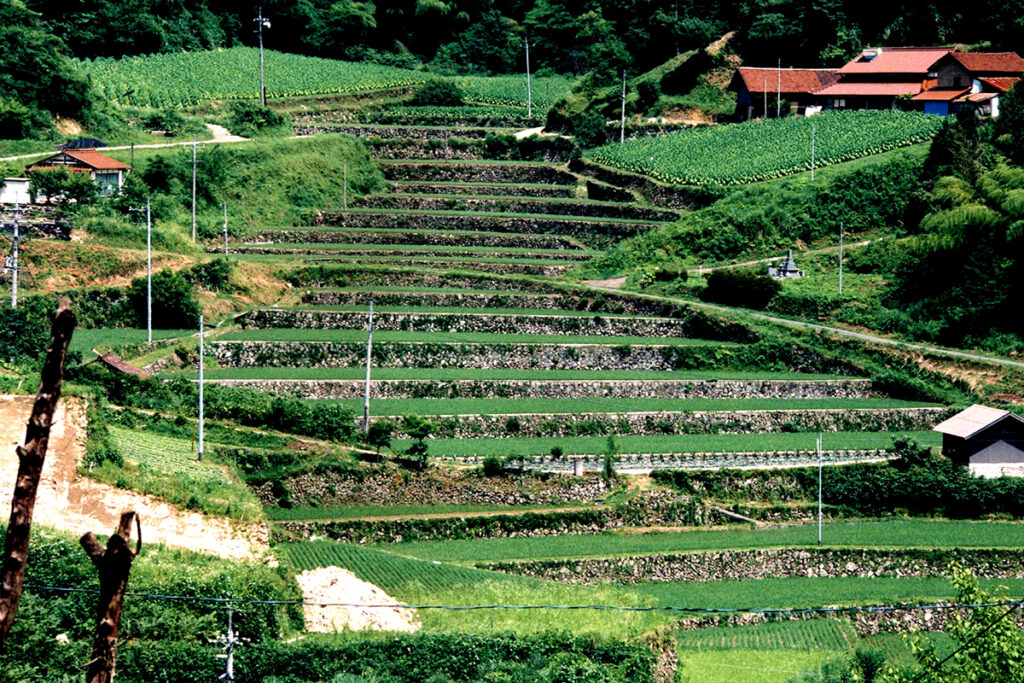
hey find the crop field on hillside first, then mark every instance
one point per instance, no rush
(811, 592)
(164, 454)
(85, 340)
(189, 78)
(763, 150)
(815, 634)
(503, 406)
(867, 534)
(511, 90)
(669, 443)
(433, 583)
(749, 666)
(303, 335)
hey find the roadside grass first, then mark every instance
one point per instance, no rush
(909, 533)
(669, 443)
(562, 406)
(286, 334)
(418, 582)
(500, 374)
(85, 340)
(748, 666)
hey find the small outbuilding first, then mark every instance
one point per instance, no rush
(108, 173)
(989, 441)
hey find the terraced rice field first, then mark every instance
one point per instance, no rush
(461, 258)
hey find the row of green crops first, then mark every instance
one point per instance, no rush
(763, 150)
(817, 634)
(165, 454)
(380, 568)
(187, 79)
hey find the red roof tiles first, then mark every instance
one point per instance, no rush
(896, 60)
(792, 80)
(940, 94)
(1000, 84)
(991, 62)
(870, 89)
(101, 162)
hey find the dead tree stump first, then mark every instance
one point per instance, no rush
(113, 564)
(31, 457)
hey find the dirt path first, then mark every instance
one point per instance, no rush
(222, 134)
(76, 504)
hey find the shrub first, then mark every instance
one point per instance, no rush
(174, 301)
(212, 275)
(438, 92)
(671, 274)
(493, 466)
(249, 119)
(740, 288)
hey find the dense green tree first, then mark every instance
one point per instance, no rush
(955, 148)
(174, 301)
(34, 72)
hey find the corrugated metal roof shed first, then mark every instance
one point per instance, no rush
(967, 423)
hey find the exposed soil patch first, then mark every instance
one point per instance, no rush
(337, 585)
(73, 503)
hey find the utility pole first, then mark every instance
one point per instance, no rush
(229, 651)
(529, 92)
(149, 271)
(261, 24)
(765, 99)
(193, 188)
(840, 258)
(819, 490)
(369, 348)
(344, 186)
(201, 362)
(622, 122)
(778, 94)
(225, 203)
(14, 257)
(812, 153)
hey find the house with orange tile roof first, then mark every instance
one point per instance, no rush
(937, 80)
(108, 173)
(757, 90)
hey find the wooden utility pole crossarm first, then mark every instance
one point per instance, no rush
(113, 564)
(31, 457)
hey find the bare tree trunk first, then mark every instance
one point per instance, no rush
(30, 468)
(114, 564)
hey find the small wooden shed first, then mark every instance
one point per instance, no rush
(989, 441)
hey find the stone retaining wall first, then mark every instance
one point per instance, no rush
(402, 388)
(390, 132)
(466, 149)
(479, 173)
(242, 354)
(736, 565)
(691, 422)
(501, 268)
(675, 197)
(415, 255)
(355, 275)
(491, 323)
(549, 191)
(583, 208)
(440, 239)
(595, 233)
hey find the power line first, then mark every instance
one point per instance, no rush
(1013, 604)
